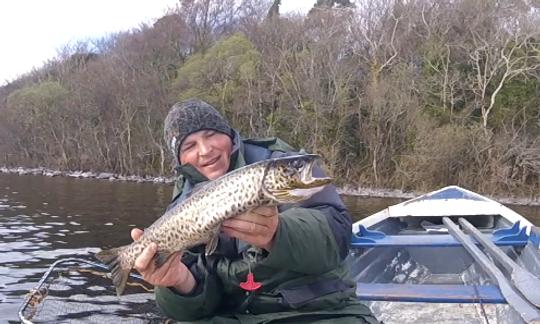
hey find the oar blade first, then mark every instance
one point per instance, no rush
(527, 284)
(524, 281)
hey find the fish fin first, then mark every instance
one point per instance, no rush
(211, 246)
(120, 279)
(161, 257)
(113, 259)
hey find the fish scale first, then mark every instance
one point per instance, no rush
(197, 220)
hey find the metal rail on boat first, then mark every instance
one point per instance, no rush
(432, 293)
(365, 238)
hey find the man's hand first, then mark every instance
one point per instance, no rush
(256, 227)
(171, 274)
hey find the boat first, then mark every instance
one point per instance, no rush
(425, 260)
(450, 255)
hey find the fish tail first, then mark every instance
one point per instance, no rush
(114, 259)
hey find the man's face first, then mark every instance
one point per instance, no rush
(208, 151)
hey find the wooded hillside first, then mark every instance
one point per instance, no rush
(404, 94)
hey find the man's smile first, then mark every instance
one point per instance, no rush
(210, 162)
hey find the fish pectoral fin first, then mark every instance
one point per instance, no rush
(161, 258)
(211, 246)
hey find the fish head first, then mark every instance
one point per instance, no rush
(290, 179)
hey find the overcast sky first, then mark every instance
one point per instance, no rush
(32, 31)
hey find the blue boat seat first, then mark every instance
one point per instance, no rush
(429, 293)
(514, 236)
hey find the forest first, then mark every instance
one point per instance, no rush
(404, 94)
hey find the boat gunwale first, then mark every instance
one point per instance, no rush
(484, 206)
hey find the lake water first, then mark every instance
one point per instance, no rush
(44, 219)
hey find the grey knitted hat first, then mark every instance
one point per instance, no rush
(188, 117)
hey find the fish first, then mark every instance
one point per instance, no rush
(197, 220)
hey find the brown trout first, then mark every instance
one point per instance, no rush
(197, 220)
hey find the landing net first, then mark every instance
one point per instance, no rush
(80, 291)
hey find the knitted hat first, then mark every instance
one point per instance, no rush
(188, 117)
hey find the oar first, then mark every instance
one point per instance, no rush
(528, 312)
(523, 280)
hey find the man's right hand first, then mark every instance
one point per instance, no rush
(172, 273)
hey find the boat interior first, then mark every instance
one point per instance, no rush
(417, 259)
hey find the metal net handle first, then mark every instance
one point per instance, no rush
(38, 288)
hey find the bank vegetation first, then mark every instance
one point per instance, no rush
(400, 94)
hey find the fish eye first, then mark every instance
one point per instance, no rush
(298, 164)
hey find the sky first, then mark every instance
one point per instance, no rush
(33, 31)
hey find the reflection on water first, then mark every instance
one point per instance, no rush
(44, 219)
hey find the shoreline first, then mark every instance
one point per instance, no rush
(347, 190)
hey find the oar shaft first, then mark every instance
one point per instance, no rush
(471, 247)
(504, 259)
(527, 283)
(528, 312)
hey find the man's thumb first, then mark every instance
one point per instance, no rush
(136, 233)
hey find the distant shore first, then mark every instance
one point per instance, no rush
(345, 190)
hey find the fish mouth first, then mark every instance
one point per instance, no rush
(308, 181)
(308, 184)
(304, 184)
(302, 194)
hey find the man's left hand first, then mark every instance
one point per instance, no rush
(256, 227)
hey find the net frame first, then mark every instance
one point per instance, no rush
(78, 290)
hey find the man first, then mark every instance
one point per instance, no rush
(295, 252)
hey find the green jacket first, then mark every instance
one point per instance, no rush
(302, 276)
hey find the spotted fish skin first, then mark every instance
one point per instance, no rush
(197, 220)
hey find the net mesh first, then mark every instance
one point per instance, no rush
(80, 291)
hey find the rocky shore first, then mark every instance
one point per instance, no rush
(84, 175)
(346, 190)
